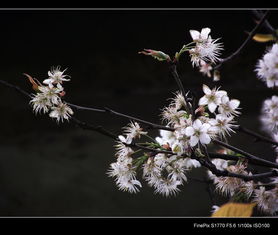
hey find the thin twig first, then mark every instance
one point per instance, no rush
(85, 108)
(257, 136)
(98, 129)
(173, 69)
(149, 124)
(266, 23)
(250, 36)
(16, 88)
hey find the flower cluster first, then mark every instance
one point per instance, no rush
(48, 99)
(229, 186)
(166, 172)
(267, 67)
(266, 199)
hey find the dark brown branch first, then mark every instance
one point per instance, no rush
(173, 69)
(101, 130)
(86, 108)
(226, 173)
(98, 129)
(250, 36)
(266, 23)
(16, 88)
(150, 125)
(257, 136)
(247, 155)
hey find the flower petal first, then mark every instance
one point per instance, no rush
(206, 89)
(212, 106)
(203, 101)
(189, 131)
(205, 127)
(194, 34)
(234, 103)
(204, 138)
(193, 140)
(205, 32)
(197, 124)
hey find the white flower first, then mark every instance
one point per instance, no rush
(271, 105)
(212, 98)
(270, 121)
(266, 200)
(228, 107)
(165, 174)
(40, 103)
(191, 163)
(178, 148)
(269, 116)
(125, 175)
(60, 112)
(200, 37)
(166, 137)
(220, 164)
(222, 124)
(55, 76)
(133, 130)
(52, 93)
(178, 101)
(230, 185)
(172, 115)
(206, 49)
(267, 67)
(198, 132)
(167, 187)
(123, 151)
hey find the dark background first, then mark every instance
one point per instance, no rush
(59, 170)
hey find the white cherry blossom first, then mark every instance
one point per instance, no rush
(212, 98)
(198, 132)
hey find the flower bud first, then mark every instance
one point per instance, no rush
(159, 55)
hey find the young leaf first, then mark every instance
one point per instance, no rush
(232, 209)
(35, 84)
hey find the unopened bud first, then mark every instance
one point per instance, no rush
(159, 55)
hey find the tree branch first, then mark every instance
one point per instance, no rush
(250, 36)
(173, 69)
(257, 136)
(247, 155)
(266, 23)
(225, 173)
(149, 124)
